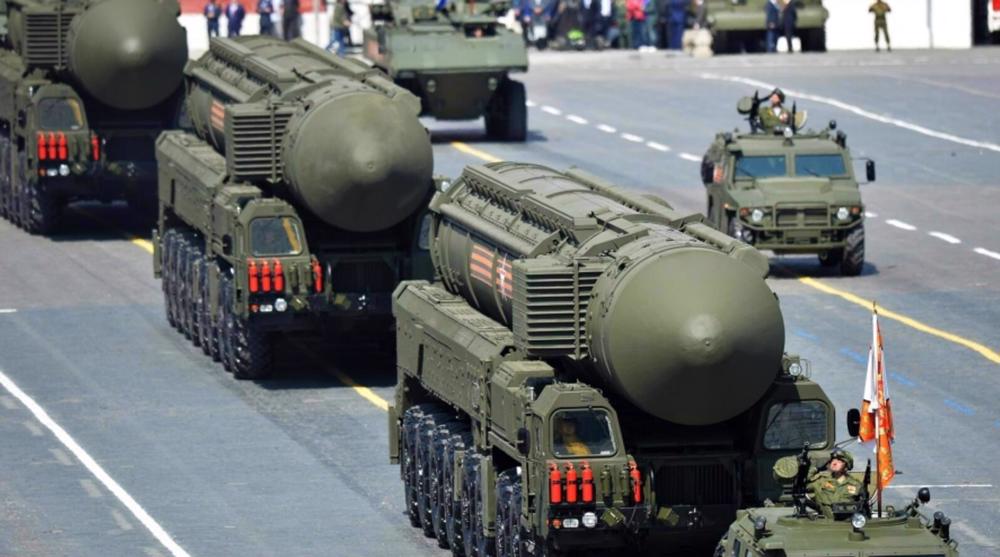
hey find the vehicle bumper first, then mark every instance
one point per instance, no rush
(799, 240)
(458, 95)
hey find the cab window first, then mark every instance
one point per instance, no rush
(769, 166)
(577, 433)
(790, 425)
(824, 166)
(59, 114)
(271, 236)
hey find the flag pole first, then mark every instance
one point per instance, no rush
(878, 428)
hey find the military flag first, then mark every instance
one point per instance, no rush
(876, 410)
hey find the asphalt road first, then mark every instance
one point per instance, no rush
(297, 465)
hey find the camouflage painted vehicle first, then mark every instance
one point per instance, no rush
(457, 61)
(85, 88)
(580, 380)
(794, 527)
(296, 203)
(741, 24)
(790, 192)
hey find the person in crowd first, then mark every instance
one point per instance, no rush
(636, 22)
(340, 26)
(291, 20)
(212, 12)
(772, 13)
(234, 18)
(602, 21)
(265, 9)
(678, 22)
(881, 9)
(789, 20)
(622, 34)
(653, 18)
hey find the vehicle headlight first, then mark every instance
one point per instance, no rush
(795, 369)
(571, 523)
(64, 170)
(757, 215)
(280, 305)
(431, 86)
(492, 83)
(843, 213)
(51, 172)
(589, 520)
(858, 521)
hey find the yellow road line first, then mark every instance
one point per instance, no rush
(363, 391)
(469, 150)
(984, 351)
(143, 243)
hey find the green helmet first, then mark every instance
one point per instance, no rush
(844, 456)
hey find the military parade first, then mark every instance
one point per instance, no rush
(344, 277)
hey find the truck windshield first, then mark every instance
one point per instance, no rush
(59, 114)
(275, 236)
(824, 166)
(582, 433)
(769, 166)
(790, 425)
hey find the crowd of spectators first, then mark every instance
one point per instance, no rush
(276, 17)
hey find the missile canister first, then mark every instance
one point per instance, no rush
(86, 86)
(296, 205)
(595, 370)
(346, 142)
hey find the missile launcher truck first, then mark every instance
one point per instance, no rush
(457, 60)
(86, 86)
(595, 370)
(296, 203)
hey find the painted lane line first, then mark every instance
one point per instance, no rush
(551, 110)
(530, 104)
(862, 112)
(468, 150)
(977, 347)
(805, 334)
(632, 137)
(658, 146)
(946, 237)
(8, 310)
(577, 119)
(365, 392)
(941, 486)
(870, 215)
(854, 355)
(94, 468)
(987, 253)
(689, 157)
(901, 225)
(959, 407)
(902, 379)
(606, 128)
(123, 524)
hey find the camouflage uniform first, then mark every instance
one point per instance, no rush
(770, 121)
(827, 491)
(880, 9)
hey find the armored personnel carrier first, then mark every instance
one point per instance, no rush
(296, 204)
(793, 526)
(738, 25)
(790, 191)
(457, 60)
(85, 88)
(581, 378)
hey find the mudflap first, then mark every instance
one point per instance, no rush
(393, 434)
(157, 264)
(488, 485)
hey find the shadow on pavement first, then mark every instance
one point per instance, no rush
(477, 135)
(809, 266)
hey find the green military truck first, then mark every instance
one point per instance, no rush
(294, 205)
(790, 191)
(85, 88)
(457, 61)
(741, 24)
(582, 379)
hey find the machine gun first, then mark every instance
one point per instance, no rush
(864, 498)
(749, 106)
(799, 486)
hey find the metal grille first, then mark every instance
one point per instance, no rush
(803, 216)
(254, 151)
(695, 484)
(45, 38)
(550, 309)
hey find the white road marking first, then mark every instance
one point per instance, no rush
(8, 403)
(974, 535)
(901, 225)
(689, 157)
(946, 237)
(123, 524)
(551, 110)
(33, 428)
(870, 215)
(530, 104)
(940, 486)
(109, 483)
(632, 137)
(8, 310)
(606, 128)
(61, 456)
(862, 112)
(91, 488)
(577, 119)
(657, 146)
(987, 253)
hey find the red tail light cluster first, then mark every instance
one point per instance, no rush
(635, 478)
(52, 146)
(576, 488)
(95, 147)
(317, 275)
(265, 276)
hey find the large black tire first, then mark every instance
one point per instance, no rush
(184, 285)
(409, 436)
(227, 325)
(508, 523)
(477, 544)
(5, 175)
(507, 113)
(251, 351)
(814, 40)
(441, 494)
(831, 258)
(854, 253)
(39, 209)
(427, 430)
(196, 270)
(206, 328)
(453, 515)
(167, 242)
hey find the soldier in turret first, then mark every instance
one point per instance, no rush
(835, 485)
(774, 116)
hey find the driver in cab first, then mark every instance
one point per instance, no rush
(567, 442)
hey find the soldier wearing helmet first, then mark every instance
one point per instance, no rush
(775, 116)
(835, 485)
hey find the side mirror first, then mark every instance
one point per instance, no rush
(853, 422)
(870, 170)
(523, 441)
